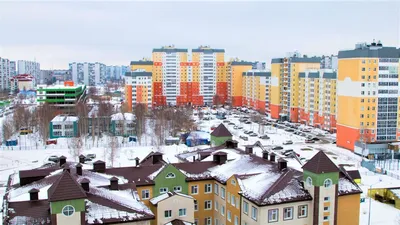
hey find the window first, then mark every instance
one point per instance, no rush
(216, 221)
(196, 221)
(163, 190)
(167, 213)
(309, 181)
(288, 213)
(303, 210)
(182, 212)
(228, 199)
(237, 202)
(207, 188)
(208, 221)
(222, 193)
(273, 215)
(222, 210)
(326, 199)
(145, 194)
(229, 215)
(178, 188)
(170, 175)
(328, 183)
(233, 182)
(254, 212)
(68, 210)
(194, 189)
(216, 189)
(326, 218)
(216, 207)
(245, 207)
(236, 220)
(208, 205)
(233, 200)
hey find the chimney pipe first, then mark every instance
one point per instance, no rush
(85, 184)
(249, 149)
(63, 160)
(99, 166)
(137, 161)
(34, 194)
(82, 159)
(220, 157)
(194, 158)
(282, 164)
(272, 157)
(265, 155)
(79, 169)
(113, 183)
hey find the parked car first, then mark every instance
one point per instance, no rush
(240, 127)
(247, 122)
(264, 137)
(248, 132)
(91, 156)
(277, 148)
(287, 152)
(253, 135)
(235, 127)
(244, 138)
(315, 139)
(289, 142)
(54, 158)
(226, 121)
(231, 123)
(333, 142)
(309, 141)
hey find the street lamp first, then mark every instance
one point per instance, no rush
(370, 200)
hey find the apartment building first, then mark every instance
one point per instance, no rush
(46, 77)
(138, 88)
(329, 62)
(13, 68)
(255, 89)
(234, 73)
(62, 75)
(317, 98)
(115, 73)
(368, 95)
(29, 67)
(6, 72)
(90, 74)
(285, 84)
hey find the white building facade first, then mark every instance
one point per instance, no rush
(90, 74)
(29, 67)
(5, 73)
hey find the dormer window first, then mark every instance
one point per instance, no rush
(328, 183)
(170, 175)
(309, 181)
(233, 182)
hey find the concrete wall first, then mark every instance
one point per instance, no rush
(174, 203)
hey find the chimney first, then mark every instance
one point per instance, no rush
(265, 155)
(249, 149)
(137, 161)
(231, 144)
(113, 183)
(66, 168)
(82, 159)
(99, 166)
(157, 157)
(85, 184)
(203, 155)
(79, 169)
(34, 194)
(63, 160)
(282, 164)
(272, 157)
(220, 157)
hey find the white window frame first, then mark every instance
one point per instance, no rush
(328, 183)
(233, 200)
(223, 192)
(68, 210)
(178, 188)
(273, 215)
(208, 203)
(288, 213)
(182, 212)
(223, 210)
(245, 207)
(327, 208)
(228, 215)
(144, 192)
(254, 213)
(216, 189)
(309, 181)
(327, 218)
(196, 205)
(163, 192)
(236, 220)
(216, 205)
(208, 188)
(208, 221)
(301, 207)
(327, 199)
(196, 187)
(170, 175)
(169, 212)
(233, 182)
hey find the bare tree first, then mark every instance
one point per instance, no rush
(113, 150)
(8, 128)
(140, 114)
(217, 99)
(125, 107)
(201, 114)
(45, 114)
(92, 91)
(75, 146)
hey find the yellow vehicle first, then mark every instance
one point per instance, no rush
(24, 131)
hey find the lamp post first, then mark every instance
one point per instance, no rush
(370, 200)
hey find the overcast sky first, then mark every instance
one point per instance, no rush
(114, 33)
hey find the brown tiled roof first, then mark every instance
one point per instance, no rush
(139, 174)
(196, 170)
(221, 131)
(148, 160)
(65, 188)
(354, 174)
(178, 222)
(320, 163)
(39, 210)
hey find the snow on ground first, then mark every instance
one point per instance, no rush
(381, 213)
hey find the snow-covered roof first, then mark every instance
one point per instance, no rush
(164, 196)
(198, 135)
(125, 116)
(64, 118)
(347, 187)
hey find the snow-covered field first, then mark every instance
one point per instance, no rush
(13, 160)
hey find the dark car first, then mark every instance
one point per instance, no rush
(288, 142)
(247, 122)
(309, 141)
(54, 158)
(277, 148)
(315, 139)
(265, 137)
(244, 138)
(253, 135)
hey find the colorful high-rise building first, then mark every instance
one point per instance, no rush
(285, 84)
(234, 73)
(368, 96)
(317, 98)
(255, 89)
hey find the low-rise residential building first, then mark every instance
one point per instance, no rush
(21, 82)
(317, 99)
(123, 124)
(62, 96)
(64, 126)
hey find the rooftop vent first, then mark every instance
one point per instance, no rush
(34, 194)
(85, 184)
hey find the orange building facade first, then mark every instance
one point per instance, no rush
(255, 89)
(234, 71)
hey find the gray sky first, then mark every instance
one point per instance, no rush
(56, 33)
